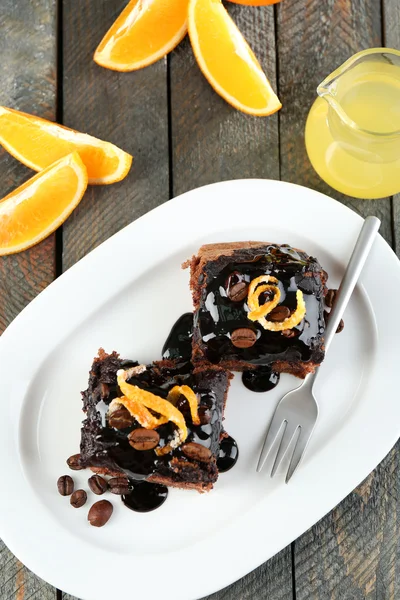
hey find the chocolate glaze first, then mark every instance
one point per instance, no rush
(145, 496)
(228, 454)
(262, 379)
(218, 316)
(178, 344)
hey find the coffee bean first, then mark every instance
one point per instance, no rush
(330, 298)
(289, 333)
(238, 292)
(119, 485)
(143, 439)
(65, 485)
(243, 337)
(204, 415)
(279, 313)
(340, 326)
(197, 452)
(120, 418)
(100, 513)
(97, 484)
(74, 462)
(78, 498)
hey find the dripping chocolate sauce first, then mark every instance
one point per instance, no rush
(262, 379)
(145, 496)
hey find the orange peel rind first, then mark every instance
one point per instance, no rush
(190, 396)
(139, 412)
(157, 404)
(258, 313)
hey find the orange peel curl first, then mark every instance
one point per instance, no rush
(190, 396)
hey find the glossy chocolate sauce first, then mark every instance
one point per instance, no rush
(178, 344)
(228, 454)
(262, 379)
(145, 496)
(219, 316)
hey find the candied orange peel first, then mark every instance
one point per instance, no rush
(134, 396)
(258, 313)
(190, 396)
(139, 411)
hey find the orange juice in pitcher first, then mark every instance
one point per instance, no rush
(353, 129)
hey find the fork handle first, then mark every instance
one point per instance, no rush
(357, 260)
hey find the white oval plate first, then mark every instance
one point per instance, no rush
(125, 296)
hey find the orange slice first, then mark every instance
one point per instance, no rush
(35, 209)
(227, 61)
(255, 2)
(144, 32)
(38, 143)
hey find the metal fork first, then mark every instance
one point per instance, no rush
(297, 412)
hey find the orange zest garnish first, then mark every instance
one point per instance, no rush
(38, 143)
(227, 61)
(157, 404)
(35, 209)
(139, 411)
(144, 32)
(255, 2)
(258, 313)
(190, 396)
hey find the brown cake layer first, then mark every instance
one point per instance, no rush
(216, 316)
(107, 450)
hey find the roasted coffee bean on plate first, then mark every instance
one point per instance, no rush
(197, 452)
(97, 484)
(100, 513)
(243, 337)
(279, 314)
(238, 292)
(119, 485)
(120, 418)
(65, 485)
(78, 498)
(74, 462)
(340, 327)
(143, 439)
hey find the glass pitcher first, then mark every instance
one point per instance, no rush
(353, 129)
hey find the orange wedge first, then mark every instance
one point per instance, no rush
(35, 209)
(38, 143)
(255, 2)
(227, 61)
(145, 31)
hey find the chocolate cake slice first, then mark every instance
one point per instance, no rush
(257, 303)
(125, 436)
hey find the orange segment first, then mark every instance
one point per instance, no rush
(38, 143)
(35, 209)
(227, 61)
(145, 31)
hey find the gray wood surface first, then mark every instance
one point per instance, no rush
(28, 50)
(183, 135)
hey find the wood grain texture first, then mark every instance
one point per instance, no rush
(314, 38)
(211, 141)
(28, 83)
(391, 38)
(128, 109)
(17, 583)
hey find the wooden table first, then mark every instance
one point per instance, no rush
(183, 135)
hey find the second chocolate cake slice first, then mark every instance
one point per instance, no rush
(161, 423)
(258, 304)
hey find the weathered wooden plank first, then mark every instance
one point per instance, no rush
(354, 551)
(314, 38)
(28, 82)
(213, 142)
(128, 109)
(391, 38)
